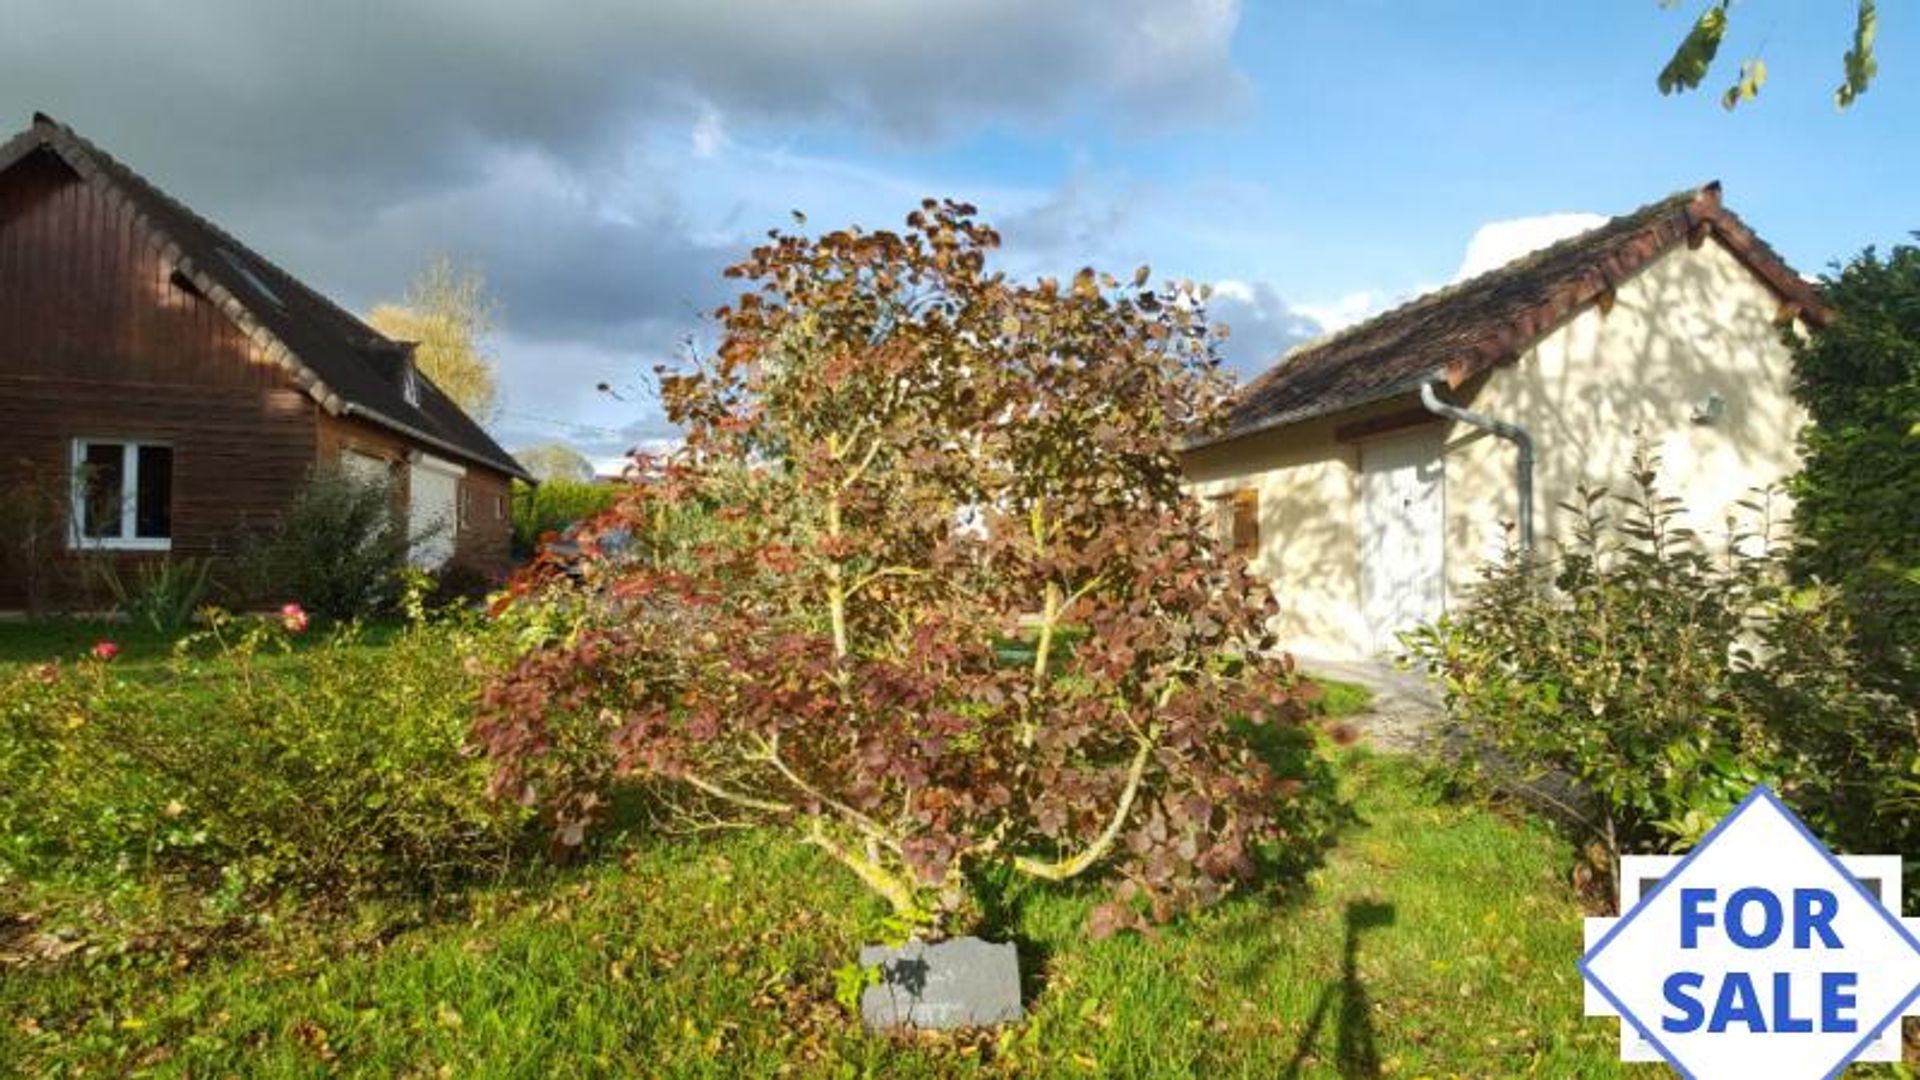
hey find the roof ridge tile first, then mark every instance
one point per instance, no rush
(1467, 326)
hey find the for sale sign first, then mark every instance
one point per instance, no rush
(1758, 954)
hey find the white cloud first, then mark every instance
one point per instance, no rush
(1262, 326)
(709, 136)
(1500, 242)
(615, 465)
(1343, 311)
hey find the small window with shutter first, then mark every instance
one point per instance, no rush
(1237, 521)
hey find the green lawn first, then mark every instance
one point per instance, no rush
(70, 639)
(1437, 939)
(1340, 698)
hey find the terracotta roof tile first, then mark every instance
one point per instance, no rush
(1493, 318)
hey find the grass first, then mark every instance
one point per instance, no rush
(1341, 698)
(69, 639)
(141, 647)
(1437, 939)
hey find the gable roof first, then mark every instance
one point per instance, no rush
(342, 363)
(1493, 318)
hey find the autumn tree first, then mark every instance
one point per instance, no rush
(948, 615)
(555, 461)
(1694, 59)
(449, 314)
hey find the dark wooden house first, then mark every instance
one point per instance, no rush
(172, 387)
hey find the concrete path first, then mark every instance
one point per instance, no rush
(1405, 714)
(1408, 716)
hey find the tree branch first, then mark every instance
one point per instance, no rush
(884, 572)
(700, 783)
(897, 891)
(770, 753)
(1076, 865)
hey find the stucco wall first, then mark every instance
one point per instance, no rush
(1695, 322)
(1692, 324)
(1309, 551)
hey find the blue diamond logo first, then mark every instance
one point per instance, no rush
(1758, 954)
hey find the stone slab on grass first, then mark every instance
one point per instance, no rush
(961, 983)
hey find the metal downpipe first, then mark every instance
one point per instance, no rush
(1511, 432)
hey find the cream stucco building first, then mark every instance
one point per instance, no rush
(1369, 500)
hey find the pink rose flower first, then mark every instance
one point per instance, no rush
(105, 650)
(293, 617)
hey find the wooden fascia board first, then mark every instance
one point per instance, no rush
(1398, 420)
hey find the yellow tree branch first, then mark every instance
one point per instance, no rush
(699, 783)
(897, 890)
(884, 572)
(1076, 865)
(770, 753)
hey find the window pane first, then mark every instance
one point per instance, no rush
(102, 480)
(153, 501)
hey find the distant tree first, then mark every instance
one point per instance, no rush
(449, 313)
(553, 507)
(555, 461)
(1693, 60)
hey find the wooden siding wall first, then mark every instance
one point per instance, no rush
(484, 541)
(98, 340)
(84, 295)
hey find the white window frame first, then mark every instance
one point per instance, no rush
(129, 498)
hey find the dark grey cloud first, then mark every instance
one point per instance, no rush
(236, 94)
(569, 148)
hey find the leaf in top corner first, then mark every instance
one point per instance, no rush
(1696, 52)
(1861, 66)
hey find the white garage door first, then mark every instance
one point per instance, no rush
(1401, 535)
(433, 506)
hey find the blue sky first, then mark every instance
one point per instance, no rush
(603, 160)
(1373, 138)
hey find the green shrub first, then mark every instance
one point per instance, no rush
(554, 505)
(162, 595)
(243, 769)
(1667, 682)
(458, 583)
(1858, 500)
(35, 503)
(339, 546)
